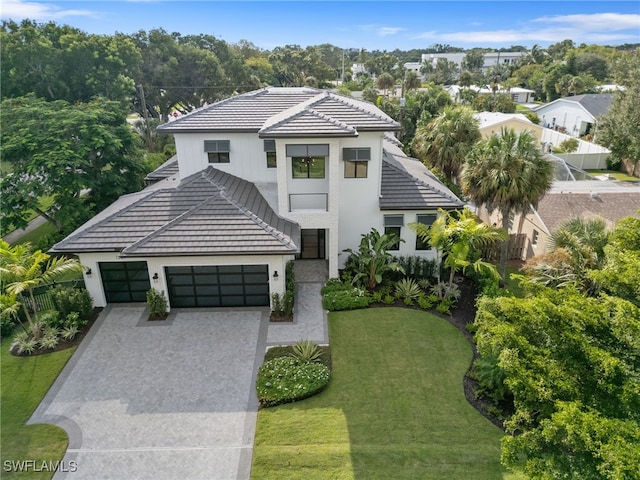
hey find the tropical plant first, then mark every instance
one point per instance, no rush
(445, 142)
(408, 288)
(456, 236)
(26, 270)
(307, 351)
(373, 260)
(157, 304)
(507, 173)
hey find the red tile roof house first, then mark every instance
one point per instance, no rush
(258, 179)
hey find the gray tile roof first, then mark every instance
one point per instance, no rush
(595, 103)
(283, 112)
(408, 185)
(167, 169)
(209, 213)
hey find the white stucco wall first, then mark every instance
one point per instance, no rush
(156, 265)
(567, 114)
(247, 157)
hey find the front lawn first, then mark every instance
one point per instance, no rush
(395, 408)
(622, 176)
(25, 381)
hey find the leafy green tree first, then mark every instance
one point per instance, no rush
(473, 61)
(445, 72)
(496, 102)
(457, 239)
(445, 142)
(372, 261)
(292, 64)
(571, 364)
(81, 156)
(619, 129)
(507, 173)
(558, 50)
(23, 271)
(412, 81)
(380, 64)
(385, 82)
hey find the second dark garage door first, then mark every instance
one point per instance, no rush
(218, 286)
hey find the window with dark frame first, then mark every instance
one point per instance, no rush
(356, 162)
(393, 225)
(425, 219)
(270, 151)
(217, 151)
(307, 161)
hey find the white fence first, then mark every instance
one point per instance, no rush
(588, 156)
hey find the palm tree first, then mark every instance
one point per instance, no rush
(584, 240)
(23, 271)
(412, 81)
(454, 237)
(507, 173)
(445, 142)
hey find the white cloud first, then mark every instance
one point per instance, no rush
(19, 10)
(385, 31)
(602, 28)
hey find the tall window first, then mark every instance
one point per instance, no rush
(536, 236)
(217, 150)
(393, 225)
(425, 219)
(308, 161)
(356, 161)
(270, 151)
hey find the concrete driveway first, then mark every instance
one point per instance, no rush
(160, 400)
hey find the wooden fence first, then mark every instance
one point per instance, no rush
(517, 242)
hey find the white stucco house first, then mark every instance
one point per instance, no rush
(575, 115)
(258, 179)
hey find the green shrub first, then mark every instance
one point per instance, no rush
(444, 306)
(388, 299)
(335, 285)
(490, 377)
(424, 302)
(7, 325)
(69, 332)
(290, 276)
(287, 303)
(50, 340)
(26, 344)
(307, 351)
(377, 296)
(287, 379)
(51, 318)
(276, 302)
(157, 303)
(346, 300)
(407, 288)
(68, 299)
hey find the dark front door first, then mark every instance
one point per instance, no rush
(125, 281)
(312, 244)
(218, 286)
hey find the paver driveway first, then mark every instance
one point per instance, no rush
(161, 400)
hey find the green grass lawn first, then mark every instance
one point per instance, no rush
(615, 174)
(394, 408)
(25, 381)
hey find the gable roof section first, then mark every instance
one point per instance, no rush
(210, 213)
(408, 185)
(595, 104)
(167, 169)
(276, 111)
(491, 119)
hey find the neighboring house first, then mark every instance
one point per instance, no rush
(519, 95)
(567, 199)
(490, 60)
(576, 115)
(258, 179)
(493, 122)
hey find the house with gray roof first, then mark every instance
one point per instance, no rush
(575, 115)
(258, 179)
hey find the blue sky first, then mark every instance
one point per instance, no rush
(374, 25)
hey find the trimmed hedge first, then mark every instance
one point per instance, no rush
(287, 379)
(350, 299)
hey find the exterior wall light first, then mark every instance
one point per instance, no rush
(275, 275)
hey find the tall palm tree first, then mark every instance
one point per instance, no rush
(26, 270)
(507, 173)
(445, 142)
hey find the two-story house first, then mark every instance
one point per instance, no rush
(258, 179)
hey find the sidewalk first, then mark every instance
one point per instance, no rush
(309, 318)
(17, 234)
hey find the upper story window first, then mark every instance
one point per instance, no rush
(308, 161)
(217, 150)
(393, 225)
(356, 161)
(270, 151)
(425, 219)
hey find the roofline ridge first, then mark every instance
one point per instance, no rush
(331, 119)
(290, 112)
(355, 104)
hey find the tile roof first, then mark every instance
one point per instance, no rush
(209, 213)
(408, 185)
(595, 103)
(277, 111)
(167, 169)
(557, 207)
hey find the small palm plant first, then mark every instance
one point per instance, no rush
(307, 351)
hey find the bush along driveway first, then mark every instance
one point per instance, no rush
(394, 408)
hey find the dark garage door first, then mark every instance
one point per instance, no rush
(125, 281)
(221, 286)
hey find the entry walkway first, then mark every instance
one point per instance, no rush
(309, 318)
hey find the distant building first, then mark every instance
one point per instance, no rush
(518, 95)
(493, 122)
(574, 115)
